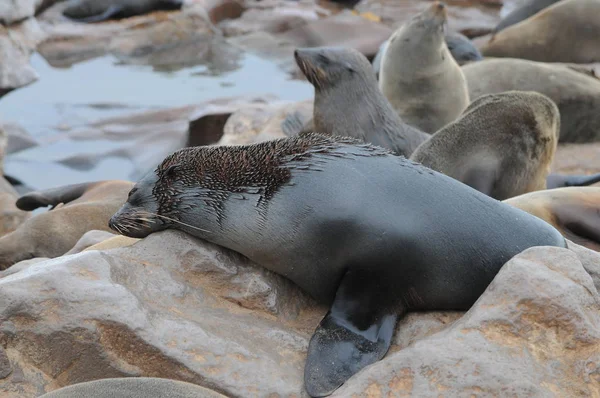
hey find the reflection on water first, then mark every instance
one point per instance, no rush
(104, 87)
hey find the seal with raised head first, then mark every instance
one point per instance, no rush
(566, 31)
(419, 76)
(367, 232)
(573, 211)
(502, 145)
(76, 209)
(102, 10)
(348, 101)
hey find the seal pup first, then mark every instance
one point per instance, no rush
(577, 94)
(566, 31)
(358, 228)
(460, 46)
(348, 101)
(522, 12)
(573, 211)
(101, 10)
(418, 74)
(76, 209)
(502, 145)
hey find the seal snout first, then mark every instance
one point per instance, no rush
(438, 11)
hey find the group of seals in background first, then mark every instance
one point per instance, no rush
(350, 223)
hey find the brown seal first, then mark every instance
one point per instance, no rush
(419, 75)
(573, 211)
(76, 209)
(576, 93)
(567, 31)
(348, 101)
(502, 145)
(298, 207)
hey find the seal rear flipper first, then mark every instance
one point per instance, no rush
(565, 180)
(581, 222)
(52, 196)
(110, 12)
(356, 332)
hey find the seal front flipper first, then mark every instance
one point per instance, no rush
(110, 12)
(356, 332)
(565, 180)
(52, 196)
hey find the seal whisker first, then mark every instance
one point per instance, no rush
(179, 222)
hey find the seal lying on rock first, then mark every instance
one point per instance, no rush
(567, 31)
(102, 10)
(576, 93)
(419, 76)
(370, 233)
(502, 145)
(574, 211)
(76, 209)
(348, 101)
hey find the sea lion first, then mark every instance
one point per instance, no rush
(522, 12)
(460, 46)
(566, 31)
(576, 94)
(102, 10)
(348, 101)
(418, 74)
(574, 212)
(76, 209)
(133, 387)
(502, 145)
(367, 232)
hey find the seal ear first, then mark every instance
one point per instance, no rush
(356, 332)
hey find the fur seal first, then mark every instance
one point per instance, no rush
(460, 46)
(133, 387)
(576, 94)
(102, 10)
(566, 31)
(502, 145)
(298, 207)
(573, 211)
(418, 74)
(522, 12)
(76, 209)
(348, 101)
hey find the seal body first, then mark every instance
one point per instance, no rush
(574, 211)
(102, 10)
(348, 101)
(523, 12)
(502, 145)
(369, 233)
(567, 31)
(77, 209)
(576, 94)
(419, 76)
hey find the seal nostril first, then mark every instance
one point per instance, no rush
(441, 6)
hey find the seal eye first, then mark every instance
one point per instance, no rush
(133, 190)
(323, 59)
(171, 170)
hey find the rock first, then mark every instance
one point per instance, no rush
(89, 239)
(12, 11)
(163, 39)
(17, 42)
(5, 367)
(172, 306)
(18, 138)
(260, 123)
(534, 332)
(113, 243)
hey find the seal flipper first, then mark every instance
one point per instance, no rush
(52, 196)
(565, 180)
(356, 332)
(109, 13)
